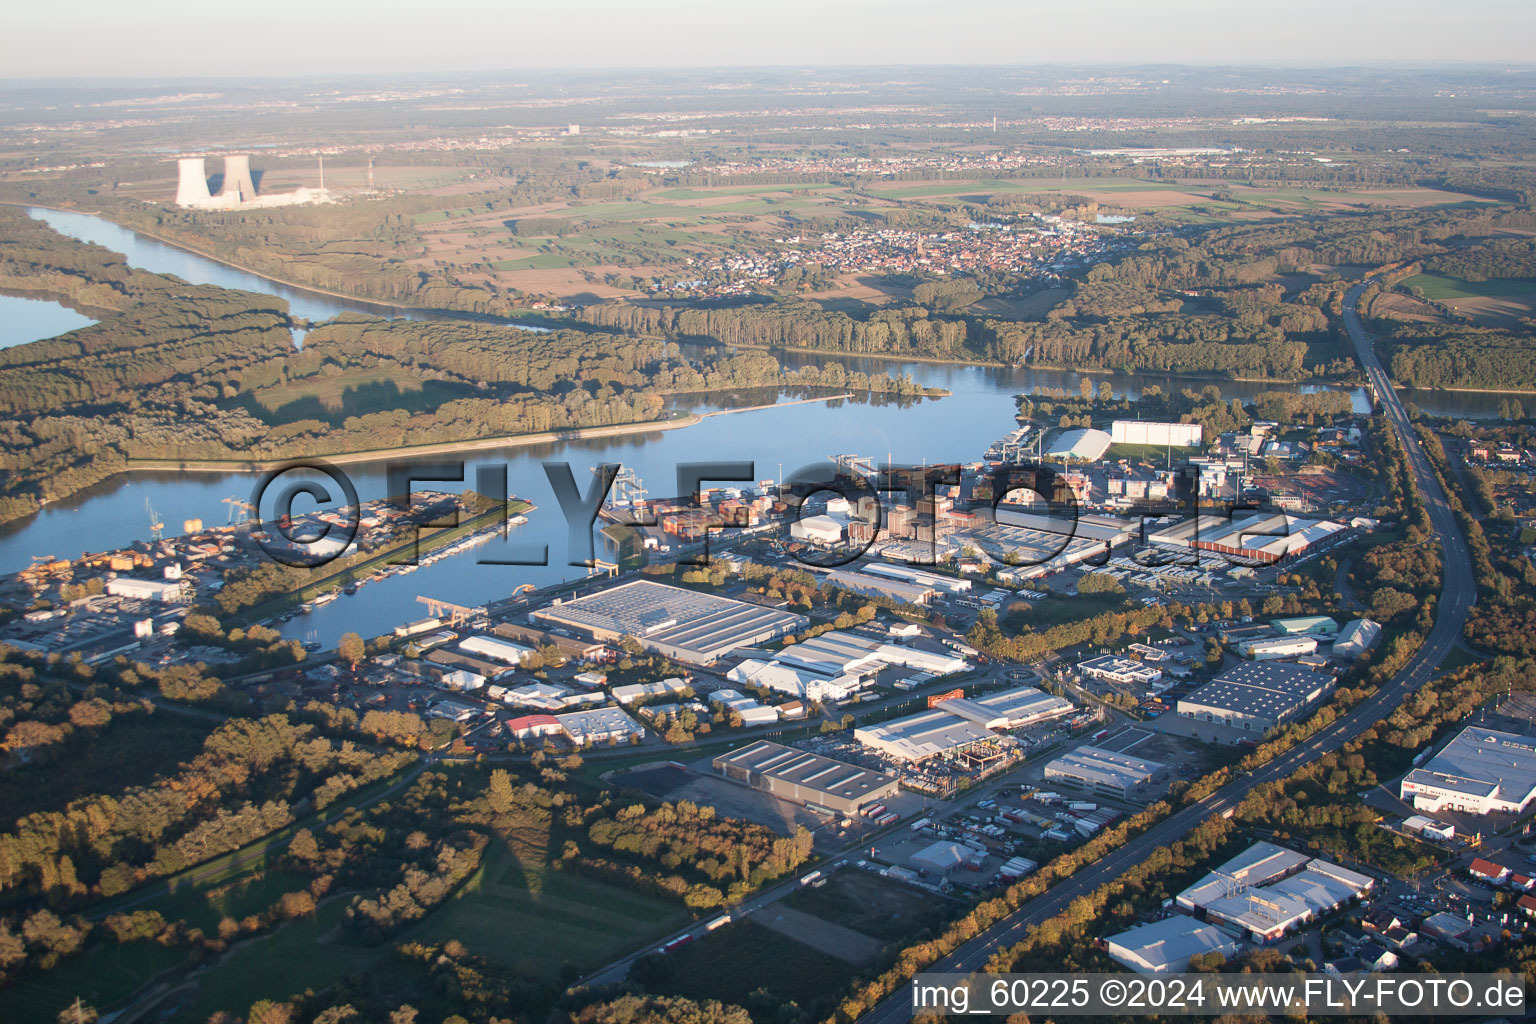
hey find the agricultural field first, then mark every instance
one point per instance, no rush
(1498, 302)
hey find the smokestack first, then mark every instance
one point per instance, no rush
(237, 178)
(192, 182)
(322, 172)
(370, 174)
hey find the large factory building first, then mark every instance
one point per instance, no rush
(1481, 771)
(682, 624)
(805, 778)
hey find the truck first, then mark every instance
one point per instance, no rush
(719, 922)
(808, 879)
(681, 940)
(920, 824)
(888, 818)
(873, 812)
(1082, 805)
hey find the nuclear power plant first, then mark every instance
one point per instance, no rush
(238, 190)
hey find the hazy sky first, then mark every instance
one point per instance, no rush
(164, 38)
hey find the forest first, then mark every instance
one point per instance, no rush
(188, 372)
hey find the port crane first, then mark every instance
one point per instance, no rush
(457, 614)
(239, 510)
(156, 526)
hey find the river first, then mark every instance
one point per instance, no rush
(959, 427)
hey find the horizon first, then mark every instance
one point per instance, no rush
(100, 40)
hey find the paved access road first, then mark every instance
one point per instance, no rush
(1457, 594)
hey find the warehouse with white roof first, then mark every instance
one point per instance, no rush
(1168, 945)
(1356, 638)
(1481, 771)
(1083, 443)
(796, 682)
(599, 725)
(682, 624)
(1268, 890)
(496, 650)
(955, 724)
(1106, 771)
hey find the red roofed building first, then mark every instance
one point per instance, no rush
(1488, 871)
(1527, 904)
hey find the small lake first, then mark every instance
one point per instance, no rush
(25, 319)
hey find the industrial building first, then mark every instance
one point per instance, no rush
(682, 624)
(953, 725)
(797, 682)
(162, 591)
(599, 725)
(1122, 671)
(881, 586)
(568, 646)
(533, 727)
(1168, 945)
(1106, 771)
(1083, 444)
(806, 778)
(942, 857)
(238, 190)
(932, 580)
(629, 693)
(1177, 435)
(1356, 638)
(1303, 625)
(1481, 771)
(838, 652)
(1256, 696)
(822, 530)
(1266, 537)
(1268, 889)
(837, 664)
(1273, 648)
(497, 650)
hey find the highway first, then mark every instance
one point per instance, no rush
(1457, 594)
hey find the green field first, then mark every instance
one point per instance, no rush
(739, 190)
(506, 910)
(1441, 288)
(1156, 454)
(434, 216)
(543, 261)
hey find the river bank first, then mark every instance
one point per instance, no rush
(471, 445)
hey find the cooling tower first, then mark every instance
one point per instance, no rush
(237, 179)
(192, 182)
